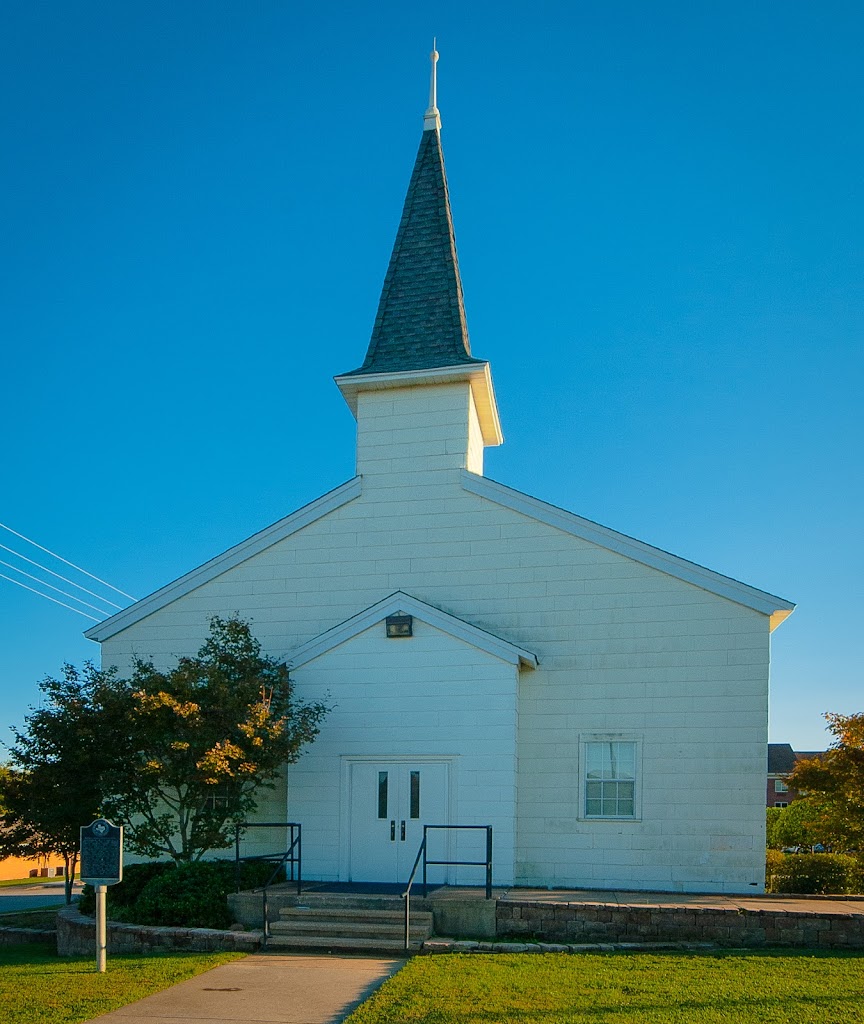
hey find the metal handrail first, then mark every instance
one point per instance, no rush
(407, 894)
(288, 857)
(452, 863)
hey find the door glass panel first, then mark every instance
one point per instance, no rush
(382, 794)
(415, 795)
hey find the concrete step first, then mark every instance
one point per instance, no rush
(384, 930)
(347, 901)
(352, 914)
(339, 943)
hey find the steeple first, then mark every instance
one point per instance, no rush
(421, 314)
(419, 346)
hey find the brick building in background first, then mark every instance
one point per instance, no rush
(781, 761)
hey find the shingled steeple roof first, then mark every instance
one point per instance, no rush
(420, 322)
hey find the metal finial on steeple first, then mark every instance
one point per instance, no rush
(432, 119)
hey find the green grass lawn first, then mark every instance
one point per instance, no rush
(38, 987)
(745, 987)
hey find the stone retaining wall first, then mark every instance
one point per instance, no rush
(76, 936)
(18, 936)
(574, 923)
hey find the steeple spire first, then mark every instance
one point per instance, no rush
(432, 119)
(419, 344)
(421, 315)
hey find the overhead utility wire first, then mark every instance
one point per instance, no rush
(74, 566)
(51, 586)
(65, 580)
(47, 598)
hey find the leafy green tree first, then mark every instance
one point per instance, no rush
(204, 738)
(177, 756)
(53, 785)
(834, 783)
(799, 824)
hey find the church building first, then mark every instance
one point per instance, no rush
(489, 659)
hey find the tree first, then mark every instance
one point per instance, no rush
(204, 738)
(53, 785)
(834, 782)
(799, 824)
(176, 756)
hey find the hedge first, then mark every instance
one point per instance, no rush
(813, 873)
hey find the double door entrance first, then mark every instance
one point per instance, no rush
(390, 802)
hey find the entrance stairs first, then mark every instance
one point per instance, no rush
(349, 924)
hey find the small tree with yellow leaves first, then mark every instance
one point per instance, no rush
(204, 738)
(178, 757)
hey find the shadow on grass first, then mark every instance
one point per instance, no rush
(40, 953)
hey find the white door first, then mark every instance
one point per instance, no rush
(390, 804)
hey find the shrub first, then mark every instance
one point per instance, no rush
(165, 893)
(190, 896)
(813, 873)
(124, 894)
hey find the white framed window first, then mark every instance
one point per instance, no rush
(780, 786)
(781, 804)
(610, 777)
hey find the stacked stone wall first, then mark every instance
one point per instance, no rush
(76, 936)
(574, 924)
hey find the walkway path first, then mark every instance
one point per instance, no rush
(264, 989)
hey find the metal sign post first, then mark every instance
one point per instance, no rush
(101, 866)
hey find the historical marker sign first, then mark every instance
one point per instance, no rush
(102, 853)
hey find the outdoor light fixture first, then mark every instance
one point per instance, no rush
(400, 625)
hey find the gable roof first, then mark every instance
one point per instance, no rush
(227, 560)
(777, 608)
(420, 322)
(400, 603)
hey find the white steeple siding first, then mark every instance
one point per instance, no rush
(543, 645)
(408, 433)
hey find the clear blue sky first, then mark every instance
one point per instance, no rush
(659, 215)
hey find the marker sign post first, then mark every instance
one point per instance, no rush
(101, 866)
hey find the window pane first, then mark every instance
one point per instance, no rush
(626, 760)
(382, 794)
(610, 786)
(415, 794)
(595, 760)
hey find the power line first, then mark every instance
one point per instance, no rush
(51, 586)
(47, 598)
(45, 568)
(74, 566)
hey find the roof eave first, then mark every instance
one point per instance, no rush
(401, 603)
(776, 608)
(226, 560)
(478, 375)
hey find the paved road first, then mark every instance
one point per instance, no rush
(31, 897)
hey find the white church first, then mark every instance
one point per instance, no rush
(489, 659)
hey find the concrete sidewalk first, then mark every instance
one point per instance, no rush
(264, 989)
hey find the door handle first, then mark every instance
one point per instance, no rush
(403, 830)
(392, 831)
